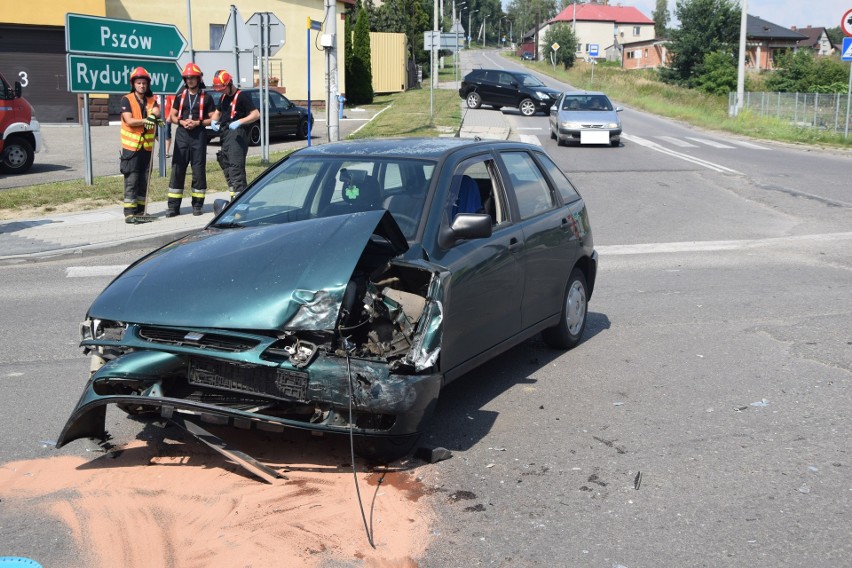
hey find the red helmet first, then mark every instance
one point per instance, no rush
(191, 70)
(221, 80)
(139, 73)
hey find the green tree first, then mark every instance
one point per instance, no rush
(562, 34)
(359, 74)
(718, 74)
(661, 18)
(801, 72)
(705, 26)
(526, 13)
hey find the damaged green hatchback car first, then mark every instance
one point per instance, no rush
(343, 289)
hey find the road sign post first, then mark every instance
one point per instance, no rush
(846, 55)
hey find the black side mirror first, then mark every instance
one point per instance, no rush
(219, 205)
(465, 226)
(17, 89)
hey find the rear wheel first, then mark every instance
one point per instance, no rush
(527, 107)
(474, 100)
(18, 156)
(568, 332)
(302, 130)
(254, 135)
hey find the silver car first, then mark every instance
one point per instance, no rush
(586, 117)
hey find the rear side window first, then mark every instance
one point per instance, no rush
(531, 188)
(562, 183)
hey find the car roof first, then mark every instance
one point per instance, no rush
(428, 148)
(585, 93)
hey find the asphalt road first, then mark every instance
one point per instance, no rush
(702, 422)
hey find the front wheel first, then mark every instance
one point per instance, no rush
(18, 156)
(474, 100)
(384, 449)
(527, 107)
(568, 332)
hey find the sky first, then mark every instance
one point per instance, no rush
(786, 13)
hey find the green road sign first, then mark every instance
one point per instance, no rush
(125, 38)
(89, 74)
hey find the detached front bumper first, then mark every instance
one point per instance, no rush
(239, 394)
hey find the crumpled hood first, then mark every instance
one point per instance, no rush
(288, 276)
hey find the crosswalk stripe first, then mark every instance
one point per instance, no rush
(745, 144)
(94, 271)
(530, 139)
(712, 143)
(677, 141)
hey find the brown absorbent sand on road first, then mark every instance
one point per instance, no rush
(176, 503)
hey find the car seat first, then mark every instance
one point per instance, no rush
(469, 200)
(361, 192)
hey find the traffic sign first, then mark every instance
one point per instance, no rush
(111, 75)
(555, 46)
(125, 38)
(594, 49)
(846, 52)
(846, 23)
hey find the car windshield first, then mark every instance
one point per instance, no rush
(311, 187)
(586, 102)
(532, 81)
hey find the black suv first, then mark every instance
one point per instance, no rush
(499, 88)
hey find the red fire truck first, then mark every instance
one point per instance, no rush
(20, 135)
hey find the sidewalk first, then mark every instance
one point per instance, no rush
(104, 230)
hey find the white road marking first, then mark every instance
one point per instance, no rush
(698, 161)
(745, 144)
(530, 139)
(529, 128)
(712, 143)
(94, 271)
(711, 246)
(677, 141)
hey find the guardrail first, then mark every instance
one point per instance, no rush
(827, 111)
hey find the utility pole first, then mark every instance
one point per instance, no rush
(741, 62)
(469, 29)
(329, 42)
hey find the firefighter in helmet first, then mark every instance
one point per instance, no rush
(233, 114)
(139, 116)
(191, 112)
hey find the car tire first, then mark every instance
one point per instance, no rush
(302, 129)
(473, 100)
(254, 135)
(18, 156)
(553, 136)
(615, 143)
(384, 449)
(572, 322)
(527, 107)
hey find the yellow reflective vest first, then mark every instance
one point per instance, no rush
(136, 138)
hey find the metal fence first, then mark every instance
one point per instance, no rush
(827, 111)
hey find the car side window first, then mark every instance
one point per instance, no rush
(563, 184)
(506, 79)
(475, 189)
(531, 189)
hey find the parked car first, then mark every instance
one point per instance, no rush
(285, 118)
(343, 289)
(500, 88)
(587, 117)
(527, 56)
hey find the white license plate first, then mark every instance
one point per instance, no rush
(594, 137)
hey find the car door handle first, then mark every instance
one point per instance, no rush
(566, 225)
(514, 244)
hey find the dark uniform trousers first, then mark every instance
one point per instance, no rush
(189, 148)
(134, 166)
(232, 158)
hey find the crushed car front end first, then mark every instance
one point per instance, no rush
(260, 343)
